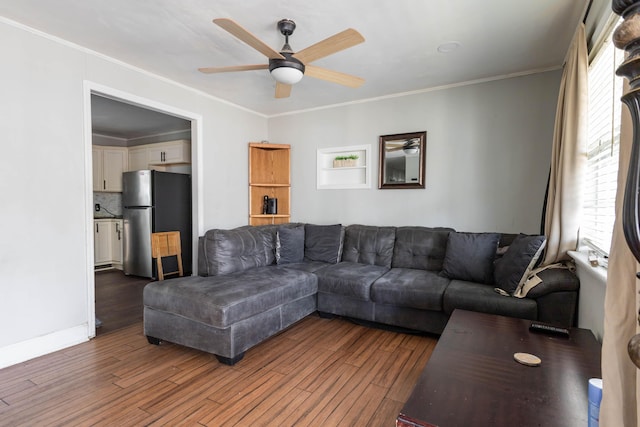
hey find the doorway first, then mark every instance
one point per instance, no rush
(116, 119)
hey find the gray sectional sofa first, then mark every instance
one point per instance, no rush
(256, 281)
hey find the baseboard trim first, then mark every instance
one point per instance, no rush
(35, 347)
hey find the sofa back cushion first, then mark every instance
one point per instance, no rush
(470, 256)
(323, 242)
(370, 245)
(420, 248)
(290, 245)
(228, 251)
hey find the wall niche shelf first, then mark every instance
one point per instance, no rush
(344, 177)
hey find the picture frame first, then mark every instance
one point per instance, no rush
(402, 160)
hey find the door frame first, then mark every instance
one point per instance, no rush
(91, 88)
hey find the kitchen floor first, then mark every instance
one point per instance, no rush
(118, 300)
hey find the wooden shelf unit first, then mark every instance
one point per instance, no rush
(269, 175)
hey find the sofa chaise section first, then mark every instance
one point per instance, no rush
(226, 314)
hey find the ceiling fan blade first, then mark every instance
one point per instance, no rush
(395, 148)
(237, 30)
(328, 46)
(333, 76)
(210, 70)
(282, 90)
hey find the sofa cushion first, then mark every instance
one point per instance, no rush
(308, 266)
(221, 301)
(290, 245)
(513, 268)
(371, 245)
(469, 256)
(406, 287)
(420, 247)
(350, 279)
(323, 242)
(473, 297)
(228, 251)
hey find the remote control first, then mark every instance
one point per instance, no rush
(548, 329)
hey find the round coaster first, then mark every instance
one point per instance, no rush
(527, 359)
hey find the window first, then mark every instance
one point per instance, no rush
(603, 146)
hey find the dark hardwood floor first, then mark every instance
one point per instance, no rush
(319, 372)
(118, 300)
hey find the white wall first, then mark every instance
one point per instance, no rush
(487, 161)
(488, 156)
(43, 179)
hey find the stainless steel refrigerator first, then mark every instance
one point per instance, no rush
(155, 201)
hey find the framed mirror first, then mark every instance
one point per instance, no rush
(402, 160)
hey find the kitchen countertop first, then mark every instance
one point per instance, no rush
(108, 217)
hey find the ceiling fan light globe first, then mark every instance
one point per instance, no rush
(411, 150)
(287, 75)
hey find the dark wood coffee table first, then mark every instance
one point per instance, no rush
(472, 378)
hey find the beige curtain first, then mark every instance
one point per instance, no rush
(620, 379)
(568, 157)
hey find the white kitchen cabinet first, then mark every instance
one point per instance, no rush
(107, 237)
(98, 172)
(150, 156)
(171, 152)
(102, 241)
(138, 158)
(108, 165)
(116, 243)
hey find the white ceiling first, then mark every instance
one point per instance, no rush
(173, 38)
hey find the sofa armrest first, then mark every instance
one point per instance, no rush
(557, 296)
(555, 280)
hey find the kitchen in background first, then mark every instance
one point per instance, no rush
(126, 138)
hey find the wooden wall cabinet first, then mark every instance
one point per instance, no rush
(269, 175)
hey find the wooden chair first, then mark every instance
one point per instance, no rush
(163, 245)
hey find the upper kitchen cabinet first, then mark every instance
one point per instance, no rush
(108, 165)
(138, 158)
(155, 156)
(170, 152)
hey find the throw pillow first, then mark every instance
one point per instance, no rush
(228, 251)
(289, 245)
(470, 256)
(323, 242)
(513, 268)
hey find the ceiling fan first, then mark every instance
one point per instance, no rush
(410, 146)
(287, 67)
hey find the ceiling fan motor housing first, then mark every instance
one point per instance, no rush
(286, 27)
(288, 71)
(289, 62)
